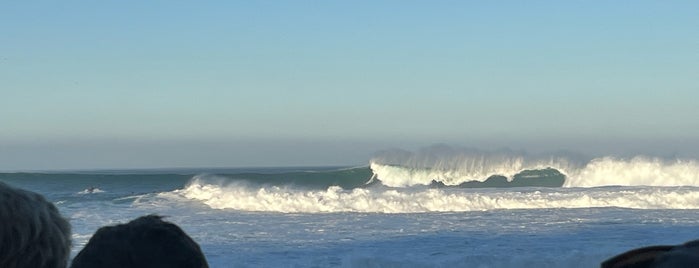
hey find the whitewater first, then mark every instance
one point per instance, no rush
(437, 207)
(387, 200)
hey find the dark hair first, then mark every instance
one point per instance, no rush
(144, 242)
(667, 256)
(32, 231)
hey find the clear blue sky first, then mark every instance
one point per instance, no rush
(130, 84)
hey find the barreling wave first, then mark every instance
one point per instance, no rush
(457, 167)
(378, 199)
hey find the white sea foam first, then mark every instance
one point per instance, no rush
(636, 171)
(91, 191)
(416, 200)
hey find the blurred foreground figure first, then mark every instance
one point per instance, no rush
(144, 242)
(680, 256)
(32, 232)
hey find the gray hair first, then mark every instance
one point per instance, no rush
(32, 231)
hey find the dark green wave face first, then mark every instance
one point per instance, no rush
(69, 186)
(345, 178)
(527, 178)
(319, 179)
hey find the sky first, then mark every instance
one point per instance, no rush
(146, 84)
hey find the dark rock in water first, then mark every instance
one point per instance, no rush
(685, 255)
(144, 242)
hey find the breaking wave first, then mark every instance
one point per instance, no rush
(444, 179)
(244, 197)
(455, 167)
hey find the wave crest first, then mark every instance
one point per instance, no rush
(455, 167)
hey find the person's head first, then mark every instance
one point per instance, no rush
(144, 242)
(676, 256)
(32, 232)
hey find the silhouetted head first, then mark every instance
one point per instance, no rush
(32, 232)
(144, 242)
(681, 256)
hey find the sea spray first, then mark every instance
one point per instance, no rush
(637, 171)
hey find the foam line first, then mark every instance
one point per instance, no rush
(416, 200)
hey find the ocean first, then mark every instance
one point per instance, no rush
(462, 208)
